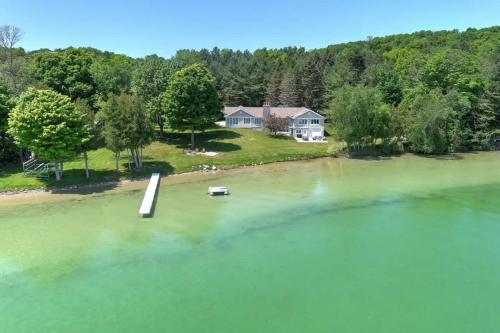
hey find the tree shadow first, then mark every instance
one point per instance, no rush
(9, 169)
(149, 167)
(443, 157)
(280, 136)
(370, 157)
(74, 182)
(210, 140)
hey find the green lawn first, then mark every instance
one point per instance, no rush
(235, 148)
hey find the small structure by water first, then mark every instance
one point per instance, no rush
(149, 196)
(214, 190)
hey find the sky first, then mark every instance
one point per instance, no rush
(138, 28)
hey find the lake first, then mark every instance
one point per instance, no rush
(403, 244)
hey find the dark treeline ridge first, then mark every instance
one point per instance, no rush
(430, 92)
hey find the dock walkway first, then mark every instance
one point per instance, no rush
(149, 196)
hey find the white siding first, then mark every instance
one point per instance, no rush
(309, 124)
(242, 119)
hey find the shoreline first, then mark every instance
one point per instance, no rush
(101, 185)
(77, 187)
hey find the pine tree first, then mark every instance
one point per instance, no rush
(313, 84)
(289, 95)
(274, 87)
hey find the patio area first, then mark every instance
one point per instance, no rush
(322, 140)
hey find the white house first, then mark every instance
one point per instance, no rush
(304, 123)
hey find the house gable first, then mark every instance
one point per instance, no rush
(240, 114)
(309, 114)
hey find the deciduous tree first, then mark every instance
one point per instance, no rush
(359, 115)
(150, 80)
(276, 124)
(67, 72)
(7, 147)
(191, 101)
(48, 124)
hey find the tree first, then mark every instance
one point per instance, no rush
(112, 75)
(347, 68)
(150, 80)
(359, 115)
(406, 63)
(127, 125)
(67, 72)
(276, 124)
(435, 122)
(312, 82)
(274, 87)
(14, 70)
(191, 101)
(289, 95)
(389, 84)
(246, 81)
(7, 147)
(427, 124)
(9, 37)
(48, 124)
(452, 69)
(95, 140)
(114, 128)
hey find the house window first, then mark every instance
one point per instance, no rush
(302, 121)
(314, 121)
(297, 131)
(258, 121)
(247, 121)
(232, 121)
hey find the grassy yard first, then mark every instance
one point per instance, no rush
(234, 148)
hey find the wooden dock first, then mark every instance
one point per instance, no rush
(213, 190)
(149, 196)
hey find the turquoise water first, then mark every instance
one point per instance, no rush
(407, 244)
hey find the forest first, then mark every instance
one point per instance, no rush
(425, 92)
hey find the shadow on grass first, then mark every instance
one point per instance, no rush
(369, 157)
(443, 157)
(9, 169)
(280, 136)
(149, 167)
(74, 182)
(209, 140)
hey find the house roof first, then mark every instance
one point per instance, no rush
(258, 112)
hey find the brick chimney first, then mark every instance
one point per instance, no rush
(266, 109)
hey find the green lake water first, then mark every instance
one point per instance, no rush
(405, 244)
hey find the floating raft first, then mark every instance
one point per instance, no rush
(149, 196)
(214, 190)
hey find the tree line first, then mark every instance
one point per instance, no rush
(430, 92)
(76, 100)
